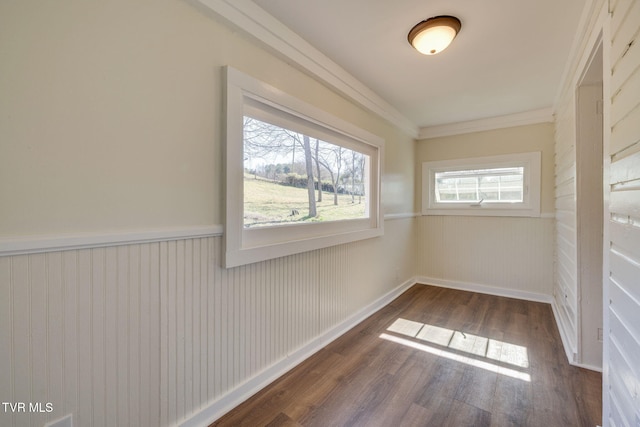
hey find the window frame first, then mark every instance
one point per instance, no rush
(530, 207)
(248, 245)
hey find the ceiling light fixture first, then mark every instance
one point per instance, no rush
(433, 35)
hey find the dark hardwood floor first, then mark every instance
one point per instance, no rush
(453, 359)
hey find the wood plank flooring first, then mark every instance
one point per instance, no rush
(454, 359)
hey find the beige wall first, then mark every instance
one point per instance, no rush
(520, 139)
(110, 116)
(511, 256)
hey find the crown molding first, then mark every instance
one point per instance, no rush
(544, 115)
(251, 19)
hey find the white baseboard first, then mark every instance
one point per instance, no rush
(485, 289)
(572, 355)
(569, 351)
(241, 393)
(589, 367)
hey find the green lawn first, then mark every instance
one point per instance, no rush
(269, 203)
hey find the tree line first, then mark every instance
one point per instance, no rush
(294, 176)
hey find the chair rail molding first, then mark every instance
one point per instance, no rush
(21, 245)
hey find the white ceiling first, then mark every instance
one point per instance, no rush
(508, 58)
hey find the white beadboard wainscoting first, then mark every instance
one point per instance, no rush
(157, 333)
(499, 255)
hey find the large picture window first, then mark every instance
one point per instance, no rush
(293, 178)
(507, 185)
(298, 178)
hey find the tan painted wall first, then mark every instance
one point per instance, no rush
(110, 116)
(502, 254)
(520, 139)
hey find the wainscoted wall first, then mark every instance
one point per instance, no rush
(503, 255)
(124, 133)
(511, 256)
(150, 334)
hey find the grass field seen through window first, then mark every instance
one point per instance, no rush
(268, 203)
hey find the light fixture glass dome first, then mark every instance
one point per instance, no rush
(434, 34)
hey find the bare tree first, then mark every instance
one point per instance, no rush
(309, 164)
(362, 164)
(264, 140)
(331, 159)
(315, 157)
(273, 144)
(354, 155)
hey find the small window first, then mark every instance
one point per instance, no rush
(297, 177)
(506, 185)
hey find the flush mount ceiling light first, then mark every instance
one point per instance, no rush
(434, 34)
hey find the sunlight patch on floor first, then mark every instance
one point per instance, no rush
(497, 350)
(459, 358)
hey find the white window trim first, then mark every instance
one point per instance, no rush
(529, 208)
(244, 246)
